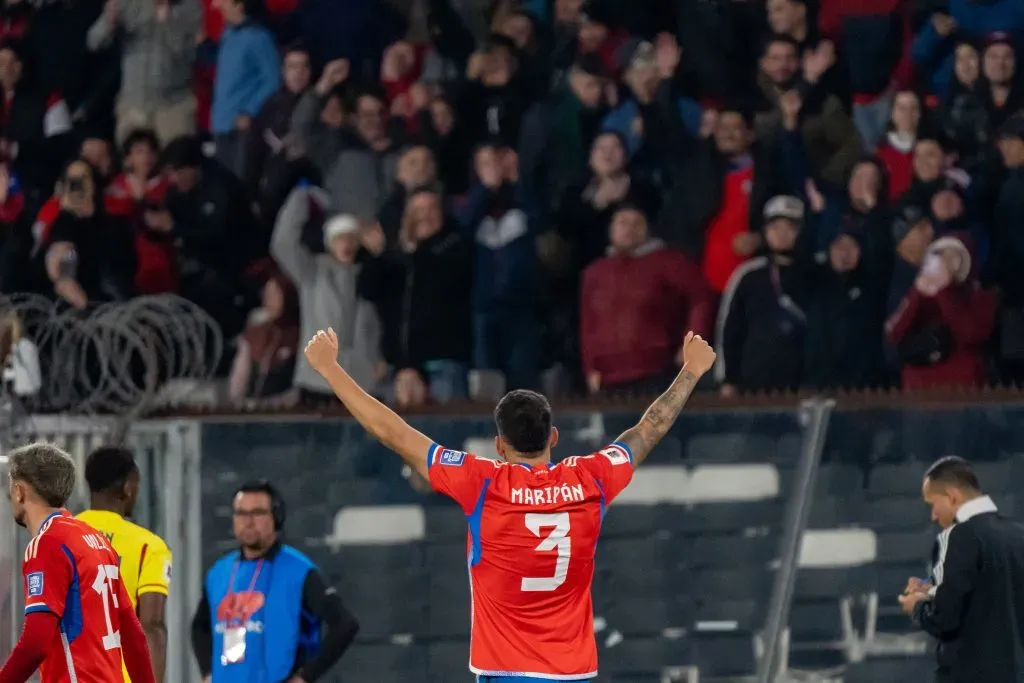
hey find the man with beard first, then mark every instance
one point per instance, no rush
(264, 605)
(829, 136)
(762, 321)
(79, 622)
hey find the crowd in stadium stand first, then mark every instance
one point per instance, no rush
(832, 191)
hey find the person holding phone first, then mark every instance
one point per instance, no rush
(83, 260)
(944, 321)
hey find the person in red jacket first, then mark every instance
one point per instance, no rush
(636, 305)
(137, 195)
(943, 323)
(896, 151)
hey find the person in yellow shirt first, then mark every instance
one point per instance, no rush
(113, 479)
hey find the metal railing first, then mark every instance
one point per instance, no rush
(815, 416)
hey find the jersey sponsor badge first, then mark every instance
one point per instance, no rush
(616, 455)
(450, 457)
(35, 584)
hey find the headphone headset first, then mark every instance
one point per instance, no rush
(277, 508)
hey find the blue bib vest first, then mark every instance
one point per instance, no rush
(265, 596)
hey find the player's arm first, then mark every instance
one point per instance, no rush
(385, 425)
(641, 439)
(47, 576)
(154, 586)
(134, 649)
(324, 602)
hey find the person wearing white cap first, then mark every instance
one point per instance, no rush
(944, 322)
(327, 288)
(762, 320)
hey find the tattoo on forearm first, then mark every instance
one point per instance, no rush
(659, 418)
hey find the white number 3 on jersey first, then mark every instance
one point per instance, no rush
(558, 539)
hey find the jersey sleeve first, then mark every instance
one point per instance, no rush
(459, 475)
(155, 572)
(47, 571)
(611, 466)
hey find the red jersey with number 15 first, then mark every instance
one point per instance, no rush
(71, 571)
(532, 536)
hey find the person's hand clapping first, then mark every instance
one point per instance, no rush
(322, 350)
(698, 356)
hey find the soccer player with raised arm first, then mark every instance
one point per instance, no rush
(533, 525)
(113, 478)
(79, 621)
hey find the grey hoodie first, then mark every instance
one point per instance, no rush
(327, 296)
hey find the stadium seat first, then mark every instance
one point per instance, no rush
(828, 512)
(630, 521)
(378, 559)
(448, 616)
(729, 615)
(897, 513)
(637, 656)
(730, 448)
(723, 654)
(997, 477)
(839, 480)
(734, 584)
(904, 547)
(816, 584)
(445, 522)
(891, 670)
(646, 552)
(726, 517)
(447, 661)
(632, 582)
(815, 622)
(645, 616)
(382, 663)
(898, 479)
(708, 552)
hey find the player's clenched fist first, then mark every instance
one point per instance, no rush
(322, 350)
(698, 356)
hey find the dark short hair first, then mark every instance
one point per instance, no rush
(523, 419)
(48, 470)
(108, 467)
(184, 152)
(774, 38)
(953, 471)
(140, 136)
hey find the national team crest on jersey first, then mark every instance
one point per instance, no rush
(450, 457)
(616, 455)
(35, 584)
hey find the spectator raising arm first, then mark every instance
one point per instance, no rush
(382, 422)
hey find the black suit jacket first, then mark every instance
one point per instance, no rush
(977, 611)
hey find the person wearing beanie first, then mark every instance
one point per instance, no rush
(327, 289)
(943, 323)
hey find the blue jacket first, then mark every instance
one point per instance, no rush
(248, 72)
(278, 631)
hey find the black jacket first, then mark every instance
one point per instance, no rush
(977, 611)
(423, 300)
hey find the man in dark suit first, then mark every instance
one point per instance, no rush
(974, 604)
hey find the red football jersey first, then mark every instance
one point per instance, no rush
(532, 536)
(71, 570)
